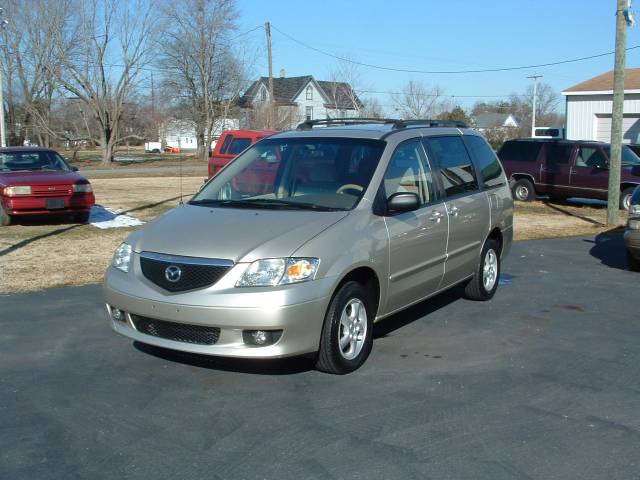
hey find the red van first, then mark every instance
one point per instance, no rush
(231, 143)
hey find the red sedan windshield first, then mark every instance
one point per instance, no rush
(32, 161)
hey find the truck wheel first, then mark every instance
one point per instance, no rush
(5, 218)
(485, 281)
(625, 198)
(347, 334)
(523, 190)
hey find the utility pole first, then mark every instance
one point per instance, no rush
(535, 99)
(3, 137)
(267, 29)
(613, 200)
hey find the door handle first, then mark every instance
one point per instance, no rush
(436, 217)
(454, 211)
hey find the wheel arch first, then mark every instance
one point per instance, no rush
(366, 276)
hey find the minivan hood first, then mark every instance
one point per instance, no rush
(240, 235)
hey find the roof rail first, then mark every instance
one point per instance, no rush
(309, 124)
(397, 123)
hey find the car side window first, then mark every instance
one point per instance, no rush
(456, 169)
(409, 171)
(558, 153)
(225, 144)
(486, 160)
(590, 157)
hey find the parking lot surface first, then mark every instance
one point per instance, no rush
(540, 383)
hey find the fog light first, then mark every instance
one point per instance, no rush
(117, 315)
(261, 338)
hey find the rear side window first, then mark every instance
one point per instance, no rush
(519, 151)
(486, 160)
(239, 145)
(456, 169)
(558, 153)
(225, 144)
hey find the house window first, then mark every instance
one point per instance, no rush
(309, 113)
(263, 94)
(309, 93)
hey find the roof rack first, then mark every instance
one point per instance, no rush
(396, 123)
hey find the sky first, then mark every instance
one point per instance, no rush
(440, 35)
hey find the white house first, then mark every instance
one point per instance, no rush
(589, 105)
(490, 120)
(302, 98)
(181, 134)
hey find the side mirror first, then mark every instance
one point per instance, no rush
(75, 169)
(403, 202)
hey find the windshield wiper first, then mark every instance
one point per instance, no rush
(263, 203)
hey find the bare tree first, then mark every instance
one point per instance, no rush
(345, 79)
(201, 66)
(101, 52)
(27, 58)
(419, 101)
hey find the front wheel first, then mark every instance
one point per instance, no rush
(5, 218)
(347, 334)
(484, 283)
(523, 190)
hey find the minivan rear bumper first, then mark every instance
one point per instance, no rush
(298, 324)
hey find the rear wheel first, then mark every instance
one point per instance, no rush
(634, 263)
(625, 198)
(523, 190)
(484, 283)
(82, 217)
(5, 218)
(347, 334)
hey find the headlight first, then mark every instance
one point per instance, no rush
(13, 191)
(634, 210)
(122, 257)
(82, 188)
(278, 271)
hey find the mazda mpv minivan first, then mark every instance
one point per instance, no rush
(361, 220)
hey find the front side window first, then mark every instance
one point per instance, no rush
(238, 145)
(590, 157)
(456, 169)
(32, 161)
(409, 171)
(296, 174)
(488, 164)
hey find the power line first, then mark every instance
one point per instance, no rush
(384, 92)
(451, 72)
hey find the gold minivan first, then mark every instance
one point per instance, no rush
(310, 236)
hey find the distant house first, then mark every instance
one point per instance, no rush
(589, 106)
(181, 134)
(297, 99)
(491, 120)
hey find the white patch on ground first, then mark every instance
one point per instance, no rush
(103, 217)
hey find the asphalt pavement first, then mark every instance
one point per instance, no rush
(540, 383)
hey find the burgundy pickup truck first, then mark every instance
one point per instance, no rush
(566, 168)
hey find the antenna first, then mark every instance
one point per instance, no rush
(180, 163)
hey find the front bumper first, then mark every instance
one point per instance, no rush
(36, 205)
(297, 310)
(632, 242)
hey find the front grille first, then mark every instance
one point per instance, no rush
(178, 332)
(46, 190)
(193, 273)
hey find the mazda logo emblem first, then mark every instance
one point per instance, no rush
(173, 273)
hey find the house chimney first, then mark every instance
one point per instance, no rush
(282, 73)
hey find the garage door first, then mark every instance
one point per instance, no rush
(630, 128)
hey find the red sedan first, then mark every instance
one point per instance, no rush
(38, 181)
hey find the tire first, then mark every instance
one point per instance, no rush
(5, 218)
(523, 190)
(634, 263)
(485, 281)
(350, 307)
(625, 198)
(82, 217)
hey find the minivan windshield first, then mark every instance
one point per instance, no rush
(295, 173)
